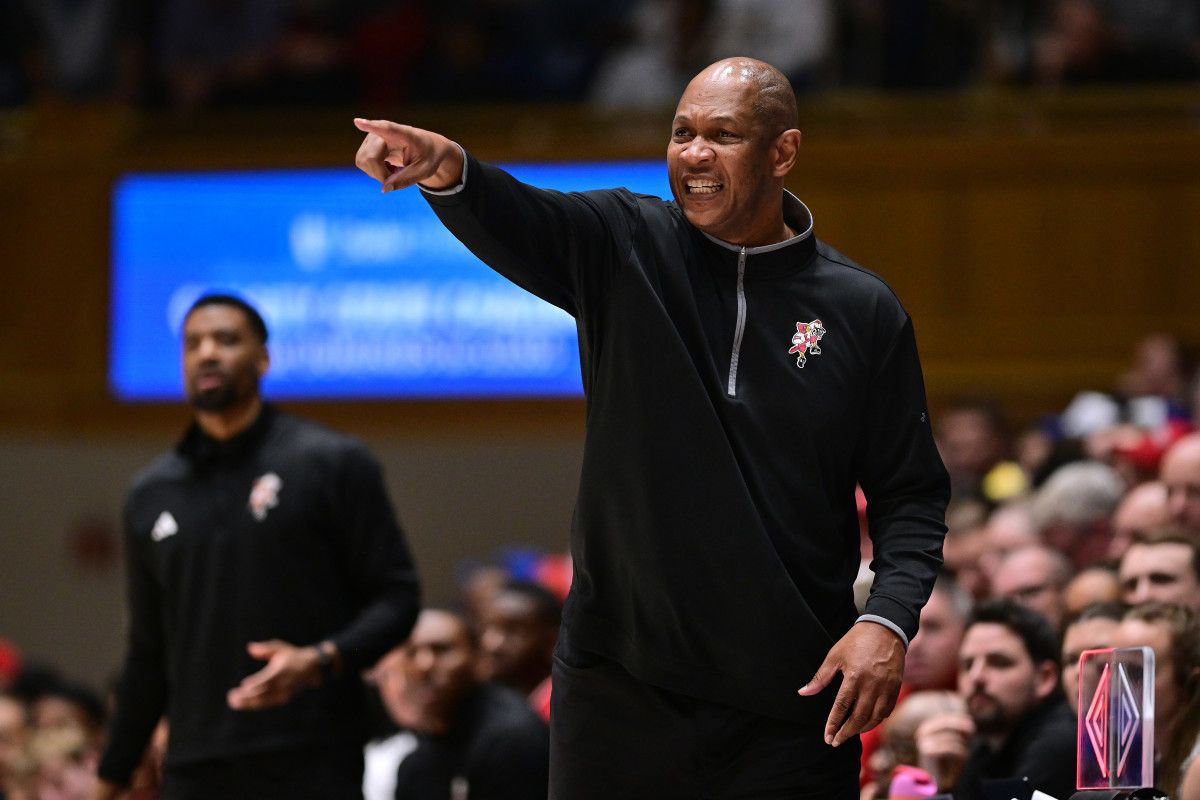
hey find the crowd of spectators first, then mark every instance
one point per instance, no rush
(1080, 532)
(51, 731)
(190, 55)
(465, 701)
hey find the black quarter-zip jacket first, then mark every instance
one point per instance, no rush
(715, 535)
(283, 532)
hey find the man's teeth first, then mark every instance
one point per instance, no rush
(705, 187)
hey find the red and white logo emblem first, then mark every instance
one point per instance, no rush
(264, 495)
(805, 341)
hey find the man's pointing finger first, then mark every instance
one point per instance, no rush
(380, 127)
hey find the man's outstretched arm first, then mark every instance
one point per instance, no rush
(563, 247)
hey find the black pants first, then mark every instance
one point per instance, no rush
(613, 736)
(325, 773)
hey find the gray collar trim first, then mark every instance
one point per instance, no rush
(795, 214)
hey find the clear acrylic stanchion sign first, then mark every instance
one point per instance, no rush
(1115, 744)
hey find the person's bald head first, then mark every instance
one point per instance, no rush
(768, 90)
(1180, 473)
(1091, 585)
(733, 141)
(1008, 528)
(1143, 509)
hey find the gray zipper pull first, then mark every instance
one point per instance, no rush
(731, 388)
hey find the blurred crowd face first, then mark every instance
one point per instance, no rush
(223, 359)
(1160, 572)
(516, 646)
(1032, 450)
(480, 588)
(1157, 636)
(1009, 528)
(963, 545)
(900, 731)
(1088, 587)
(930, 662)
(999, 681)
(1157, 368)
(1180, 473)
(1088, 634)
(54, 712)
(968, 442)
(13, 734)
(1031, 577)
(1143, 509)
(65, 766)
(437, 664)
(1075, 40)
(1083, 546)
(961, 553)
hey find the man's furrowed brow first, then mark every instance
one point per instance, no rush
(720, 119)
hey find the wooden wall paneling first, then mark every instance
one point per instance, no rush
(1016, 235)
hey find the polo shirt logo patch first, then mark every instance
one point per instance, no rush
(164, 526)
(805, 341)
(264, 495)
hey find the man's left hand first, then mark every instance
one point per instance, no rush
(289, 669)
(871, 660)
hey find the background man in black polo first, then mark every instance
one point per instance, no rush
(265, 570)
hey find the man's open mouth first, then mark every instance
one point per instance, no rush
(703, 187)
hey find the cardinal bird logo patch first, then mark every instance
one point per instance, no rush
(264, 495)
(805, 341)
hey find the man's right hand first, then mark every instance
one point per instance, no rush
(399, 156)
(943, 744)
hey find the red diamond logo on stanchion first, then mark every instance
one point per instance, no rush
(1097, 722)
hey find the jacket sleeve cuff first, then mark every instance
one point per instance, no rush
(887, 623)
(899, 613)
(462, 184)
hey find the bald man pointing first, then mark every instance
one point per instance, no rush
(741, 378)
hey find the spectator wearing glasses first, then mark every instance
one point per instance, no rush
(1035, 577)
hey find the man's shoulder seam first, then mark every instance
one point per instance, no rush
(833, 257)
(165, 467)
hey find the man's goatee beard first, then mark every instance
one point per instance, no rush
(214, 399)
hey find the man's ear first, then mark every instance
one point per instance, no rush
(1045, 679)
(264, 362)
(787, 149)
